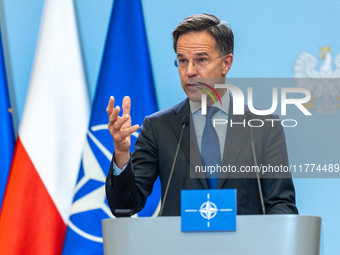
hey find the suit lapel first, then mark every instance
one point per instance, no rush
(195, 156)
(235, 138)
(176, 125)
(189, 142)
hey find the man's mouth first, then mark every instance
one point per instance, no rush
(193, 85)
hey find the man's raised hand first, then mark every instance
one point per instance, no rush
(121, 130)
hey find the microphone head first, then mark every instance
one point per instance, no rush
(186, 120)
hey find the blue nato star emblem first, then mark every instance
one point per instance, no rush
(92, 198)
(208, 210)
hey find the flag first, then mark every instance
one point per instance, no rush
(50, 140)
(125, 70)
(208, 210)
(6, 128)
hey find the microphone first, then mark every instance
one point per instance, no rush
(257, 173)
(185, 122)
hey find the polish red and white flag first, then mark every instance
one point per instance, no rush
(50, 140)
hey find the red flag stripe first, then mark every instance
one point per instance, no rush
(27, 206)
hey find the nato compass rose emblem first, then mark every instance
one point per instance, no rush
(90, 205)
(208, 210)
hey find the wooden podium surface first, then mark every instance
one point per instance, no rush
(255, 234)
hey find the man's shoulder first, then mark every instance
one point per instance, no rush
(180, 108)
(251, 115)
(160, 122)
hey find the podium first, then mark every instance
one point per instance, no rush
(255, 234)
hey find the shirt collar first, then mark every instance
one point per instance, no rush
(195, 106)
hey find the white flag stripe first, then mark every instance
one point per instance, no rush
(56, 114)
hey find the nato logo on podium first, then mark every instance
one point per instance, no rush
(208, 210)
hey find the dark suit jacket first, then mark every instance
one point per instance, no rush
(154, 154)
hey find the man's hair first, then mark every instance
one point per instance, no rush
(218, 29)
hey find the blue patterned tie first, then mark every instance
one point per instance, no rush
(210, 148)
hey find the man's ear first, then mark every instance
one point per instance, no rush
(227, 62)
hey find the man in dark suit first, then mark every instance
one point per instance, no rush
(204, 47)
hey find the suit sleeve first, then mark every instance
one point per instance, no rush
(277, 186)
(130, 189)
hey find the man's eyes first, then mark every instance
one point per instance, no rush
(201, 60)
(198, 61)
(183, 61)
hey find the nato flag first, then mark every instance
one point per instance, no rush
(125, 70)
(208, 210)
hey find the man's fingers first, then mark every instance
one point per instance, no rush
(123, 122)
(123, 133)
(111, 111)
(120, 127)
(110, 105)
(113, 117)
(126, 105)
(130, 130)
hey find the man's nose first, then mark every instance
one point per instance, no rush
(191, 69)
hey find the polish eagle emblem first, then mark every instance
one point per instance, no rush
(321, 79)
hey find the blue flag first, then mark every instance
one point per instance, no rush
(208, 210)
(125, 70)
(6, 128)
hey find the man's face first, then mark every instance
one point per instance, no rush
(200, 47)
